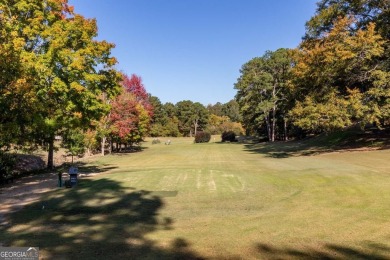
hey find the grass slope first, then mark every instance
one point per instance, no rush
(216, 201)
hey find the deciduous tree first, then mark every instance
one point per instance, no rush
(341, 67)
(59, 69)
(263, 92)
(131, 112)
(192, 116)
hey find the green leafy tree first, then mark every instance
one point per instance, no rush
(364, 12)
(170, 110)
(322, 117)
(192, 116)
(170, 128)
(216, 109)
(158, 110)
(263, 91)
(74, 142)
(231, 109)
(164, 120)
(184, 114)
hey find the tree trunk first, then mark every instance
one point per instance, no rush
(268, 127)
(273, 128)
(103, 144)
(50, 156)
(195, 126)
(285, 130)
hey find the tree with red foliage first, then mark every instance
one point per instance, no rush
(135, 86)
(123, 115)
(131, 112)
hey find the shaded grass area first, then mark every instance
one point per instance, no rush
(214, 201)
(328, 251)
(347, 140)
(97, 220)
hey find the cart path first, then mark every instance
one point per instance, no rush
(27, 190)
(24, 191)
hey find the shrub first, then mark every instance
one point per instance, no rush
(228, 136)
(7, 164)
(202, 137)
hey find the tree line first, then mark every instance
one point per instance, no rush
(337, 77)
(136, 114)
(186, 117)
(58, 80)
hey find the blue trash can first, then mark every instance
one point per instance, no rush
(73, 172)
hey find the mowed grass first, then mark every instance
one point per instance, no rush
(215, 201)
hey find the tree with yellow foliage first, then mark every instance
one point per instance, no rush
(339, 78)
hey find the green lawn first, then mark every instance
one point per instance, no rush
(216, 201)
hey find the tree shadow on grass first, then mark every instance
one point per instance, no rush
(129, 150)
(87, 169)
(98, 219)
(343, 141)
(87, 166)
(328, 251)
(282, 150)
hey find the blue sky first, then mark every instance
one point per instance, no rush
(194, 49)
